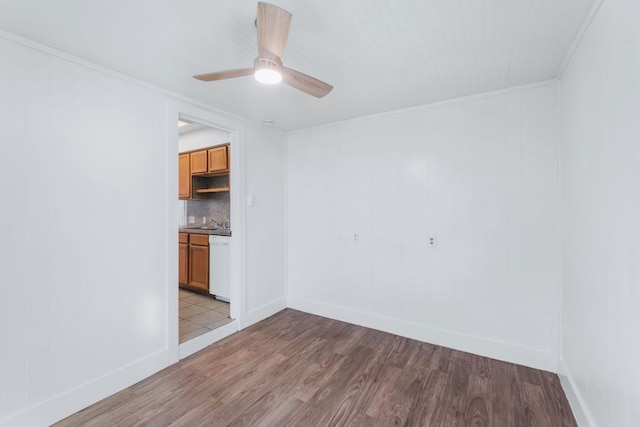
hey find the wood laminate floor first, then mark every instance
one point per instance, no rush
(297, 369)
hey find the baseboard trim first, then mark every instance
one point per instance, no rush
(578, 405)
(61, 406)
(264, 311)
(494, 349)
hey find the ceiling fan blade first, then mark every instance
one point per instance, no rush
(305, 83)
(273, 27)
(221, 75)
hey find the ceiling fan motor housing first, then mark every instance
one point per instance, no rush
(267, 64)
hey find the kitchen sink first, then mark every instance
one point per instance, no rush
(201, 227)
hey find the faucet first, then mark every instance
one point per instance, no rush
(216, 223)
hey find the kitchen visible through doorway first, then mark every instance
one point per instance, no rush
(204, 229)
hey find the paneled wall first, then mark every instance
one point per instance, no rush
(479, 174)
(84, 284)
(84, 244)
(266, 291)
(600, 152)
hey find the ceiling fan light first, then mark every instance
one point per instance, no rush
(267, 71)
(268, 76)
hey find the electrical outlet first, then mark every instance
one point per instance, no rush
(356, 237)
(432, 241)
(192, 219)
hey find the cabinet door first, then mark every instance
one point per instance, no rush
(218, 159)
(184, 176)
(183, 263)
(199, 162)
(199, 267)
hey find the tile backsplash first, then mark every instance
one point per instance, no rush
(216, 206)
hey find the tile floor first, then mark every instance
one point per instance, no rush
(200, 314)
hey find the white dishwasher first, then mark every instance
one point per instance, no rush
(219, 267)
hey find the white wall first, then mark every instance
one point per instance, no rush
(265, 222)
(202, 137)
(83, 280)
(600, 152)
(87, 288)
(480, 174)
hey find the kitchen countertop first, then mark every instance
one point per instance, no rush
(211, 232)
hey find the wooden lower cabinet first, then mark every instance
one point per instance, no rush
(183, 259)
(199, 267)
(193, 271)
(193, 262)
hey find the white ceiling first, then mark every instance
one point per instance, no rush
(379, 55)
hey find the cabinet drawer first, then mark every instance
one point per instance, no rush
(199, 239)
(183, 238)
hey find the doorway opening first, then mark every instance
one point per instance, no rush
(205, 229)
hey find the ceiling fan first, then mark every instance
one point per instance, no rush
(273, 24)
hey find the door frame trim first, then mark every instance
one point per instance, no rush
(236, 129)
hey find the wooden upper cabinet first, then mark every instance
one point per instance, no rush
(199, 162)
(218, 159)
(203, 172)
(184, 176)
